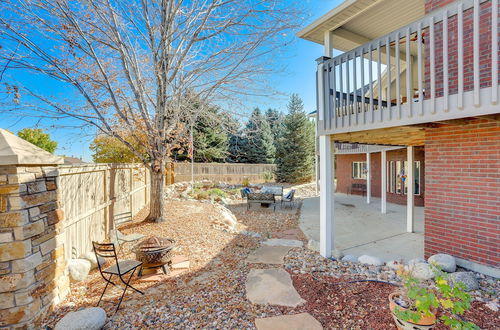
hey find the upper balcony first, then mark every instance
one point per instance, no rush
(439, 67)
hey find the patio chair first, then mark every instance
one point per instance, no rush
(118, 237)
(289, 198)
(104, 251)
(245, 191)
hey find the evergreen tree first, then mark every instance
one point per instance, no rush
(275, 121)
(210, 139)
(295, 152)
(259, 147)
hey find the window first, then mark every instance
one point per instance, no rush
(359, 170)
(397, 172)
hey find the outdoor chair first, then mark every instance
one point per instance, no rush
(119, 238)
(106, 251)
(260, 198)
(245, 191)
(289, 198)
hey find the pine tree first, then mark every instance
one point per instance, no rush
(259, 148)
(295, 152)
(275, 120)
(210, 139)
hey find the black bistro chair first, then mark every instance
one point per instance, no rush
(105, 251)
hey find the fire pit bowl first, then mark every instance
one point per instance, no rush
(154, 252)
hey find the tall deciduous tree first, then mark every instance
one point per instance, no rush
(138, 65)
(295, 152)
(39, 138)
(259, 148)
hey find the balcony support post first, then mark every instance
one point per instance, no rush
(368, 179)
(410, 179)
(327, 191)
(383, 185)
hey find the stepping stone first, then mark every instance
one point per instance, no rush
(288, 322)
(272, 286)
(290, 234)
(180, 262)
(273, 255)
(283, 242)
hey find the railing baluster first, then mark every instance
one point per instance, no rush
(370, 77)
(494, 52)
(398, 73)
(388, 62)
(460, 34)
(319, 81)
(420, 66)
(445, 62)
(433, 65)
(362, 61)
(334, 87)
(409, 89)
(341, 83)
(379, 81)
(475, 26)
(355, 89)
(348, 90)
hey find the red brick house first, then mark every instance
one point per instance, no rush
(420, 75)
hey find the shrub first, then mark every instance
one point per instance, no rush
(268, 176)
(217, 192)
(245, 182)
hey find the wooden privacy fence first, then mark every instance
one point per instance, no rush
(222, 172)
(90, 195)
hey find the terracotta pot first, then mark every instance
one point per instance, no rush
(425, 322)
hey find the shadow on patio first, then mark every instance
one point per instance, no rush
(360, 228)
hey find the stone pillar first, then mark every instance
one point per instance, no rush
(33, 273)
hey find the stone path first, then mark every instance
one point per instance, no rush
(274, 286)
(289, 322)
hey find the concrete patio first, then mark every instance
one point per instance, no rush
(360, 228)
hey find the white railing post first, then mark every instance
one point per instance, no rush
(327, 190)
(410, 212)
(368, 179)
(383, 185)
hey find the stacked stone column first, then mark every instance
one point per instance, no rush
(33, 273)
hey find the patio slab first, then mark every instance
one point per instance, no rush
(271, 286)
(360, 228)
(288, 322)
(273, 255)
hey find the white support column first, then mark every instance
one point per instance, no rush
(368, 179)
(383, 195)
(328, 43)
(410, 178)
(327, 190)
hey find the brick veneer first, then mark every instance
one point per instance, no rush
(32, 265)
(345, 180)
(462, 206)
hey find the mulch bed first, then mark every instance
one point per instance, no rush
(363, 305)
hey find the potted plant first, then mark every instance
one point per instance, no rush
(416, 306)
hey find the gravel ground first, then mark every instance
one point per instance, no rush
(211, 294)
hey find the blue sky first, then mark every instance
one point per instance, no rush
(298, 77)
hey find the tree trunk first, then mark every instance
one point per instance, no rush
(157, 195)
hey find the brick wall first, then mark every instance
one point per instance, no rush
(345, 180)
(484, 49)
(462, 206)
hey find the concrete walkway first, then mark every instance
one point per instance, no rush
(360, 228)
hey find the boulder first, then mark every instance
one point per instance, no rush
(90, 256)
(370, 260)
(92, 318)
(416, 261)
(467, 278)
(395, 264)
(337, 254)
(79, 269)
(350, 258)
(444, 262)
(421, 271)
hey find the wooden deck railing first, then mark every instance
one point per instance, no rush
(443, 66)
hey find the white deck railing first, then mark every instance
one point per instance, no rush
(398, 80)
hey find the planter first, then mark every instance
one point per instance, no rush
(425, 322)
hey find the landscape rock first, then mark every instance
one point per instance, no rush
(92, 318)
(421, 271)
(416, 261)
(251, 234)
(313, 245)
(79, 269)
(467, 278)
(395, 264)
(350, 258)
(90, 256)
(337, 254)
(370, 260)
(445, 262)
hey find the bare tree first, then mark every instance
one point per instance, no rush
(137, 65)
